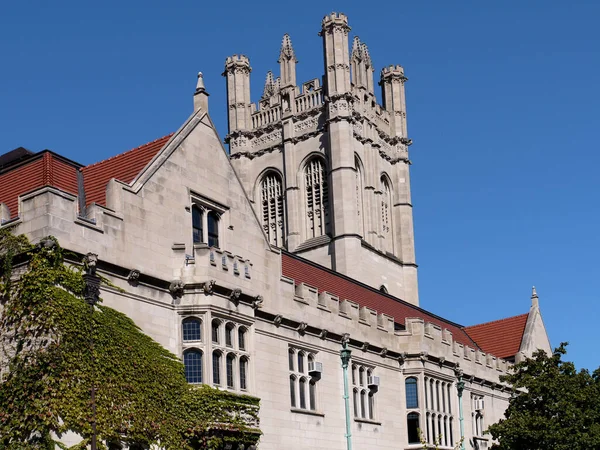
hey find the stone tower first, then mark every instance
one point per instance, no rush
(325, 165)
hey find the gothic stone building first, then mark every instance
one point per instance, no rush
(257, 264)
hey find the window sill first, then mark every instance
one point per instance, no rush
(307, 411)
(371, 421)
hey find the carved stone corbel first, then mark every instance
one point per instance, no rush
(89, 261)
(176, 288)
(257, 302)
(234, 297)
(383, 352)
(345, 339)
(277, 320)
(424, 356)
(402, 358)
(365, 346)
(323, 334)
(442, 360)
(134, 277)
(302, 328)
(208, 287)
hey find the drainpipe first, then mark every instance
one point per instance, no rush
(345, 355)
(460, 386)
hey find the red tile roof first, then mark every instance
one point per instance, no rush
(42, 169)
(303, 271)
(501, 338)
(124, 167)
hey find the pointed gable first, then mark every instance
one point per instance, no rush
(501, 338)
(124, 167)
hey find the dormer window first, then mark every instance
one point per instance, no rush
(213, 229)
(207, 218)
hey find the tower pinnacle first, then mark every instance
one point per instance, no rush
(287, 51)
(287, 62)
(270, 85)
(534, 298)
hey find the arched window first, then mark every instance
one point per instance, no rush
(291, 359)
(427, 419)
(412, 426)
(198, 232)
(215, 328)
(301, 362)
(353, 374)
(271, 196)
(242, 338)
(312, 395)
(371, 404)
(229, 334)
(216, 362)
(317, 198)
(293, 391)
(355, 398)
(386, 218)
(243, 373)
(443, 397)
(229, 363)
(302, 393)
(412, 394)
(446, 431)
(361, 376)
(359, 196)
(192, 329)
(363, 403)
(192, 362)
(451, 433)
(213, 229)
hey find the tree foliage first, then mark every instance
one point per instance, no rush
(553, 406)
(48, 370)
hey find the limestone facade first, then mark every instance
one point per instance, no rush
(209, 248)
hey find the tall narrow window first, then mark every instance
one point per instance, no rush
(243, 373)
(301, 362)
(386, 219)
(412, 425)
(312, 395)
(317, 201)
(229, 334)
(302, 393)
(293, 391)
(216, 360)
(371, 404)
(355, 398)
(213, 229)
(291, 359)
(242, 338)
(359, 196)
(192, 329)
(272, 208)
(412, 396)
(198, 232)
(215, 330)
(192, 362)
(230, 361)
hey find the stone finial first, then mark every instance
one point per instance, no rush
(287, 51)
(270, 85)
(357, 48)
(535, 302)
(366, 55)
(200, 96)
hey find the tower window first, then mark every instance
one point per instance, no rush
(192, 329)
(317, 198)
(386, 218)
(272, 208)
(412, 396)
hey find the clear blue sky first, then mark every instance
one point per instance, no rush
(503, 109)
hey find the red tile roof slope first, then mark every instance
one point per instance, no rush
(124, 167)
(43, 169)
(501, 338)
(303, 271)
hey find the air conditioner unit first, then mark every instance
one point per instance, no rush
(373, 382)
(479, 405)
(315, 369)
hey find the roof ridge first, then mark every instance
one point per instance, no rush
(128, 151)
(496, 321)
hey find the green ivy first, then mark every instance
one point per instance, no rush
(140, 388)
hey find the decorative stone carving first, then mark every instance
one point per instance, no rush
(208, 286)
(402, 358)
(235, 295)
(365, 346)
(47, 243)
(134, 277)
(277, 320)
(89, 263)
(302, 328)
(306, 124)
(345, 339)
(442, 360)
(258, 301)
(383, 352)
(424, 356)
(176, 288)
(323, 334)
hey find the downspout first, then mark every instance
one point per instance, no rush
(345, 355)
(460, 387)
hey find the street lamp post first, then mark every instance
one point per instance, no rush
(92, 295)
(345, 355)
(460, 387)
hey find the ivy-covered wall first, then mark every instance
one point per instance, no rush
(54, 348)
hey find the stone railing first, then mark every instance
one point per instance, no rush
(309, 100)
(264, 117)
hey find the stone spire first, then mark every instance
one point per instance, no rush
(534, 298)
(270, 85)
(200, 96)
(287, 62)
(357, 49)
